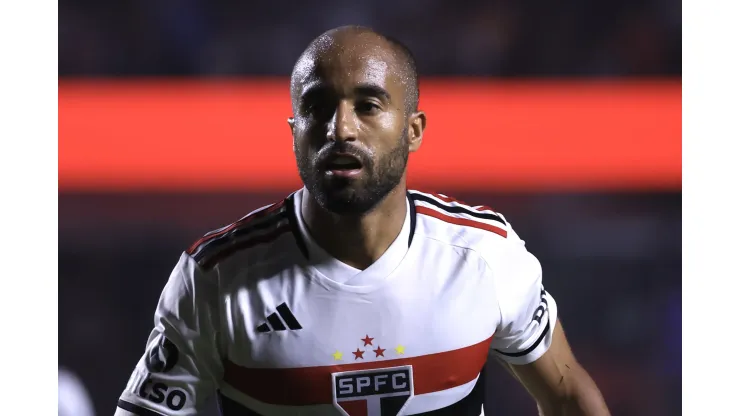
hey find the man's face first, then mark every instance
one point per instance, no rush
(350, 130)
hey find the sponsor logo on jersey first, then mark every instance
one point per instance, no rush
(162, 356)
(277, 321)
(160, 393)
(541, 308)
(378, 392)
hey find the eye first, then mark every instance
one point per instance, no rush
(317, 109)
(367, 107)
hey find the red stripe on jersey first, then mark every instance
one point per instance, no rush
(460, 221)
(355, 407)
(450, 199)
(265, 238)
(243, 221)
(313, 385)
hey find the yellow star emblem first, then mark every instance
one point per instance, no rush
(400, 349)
(337, 355)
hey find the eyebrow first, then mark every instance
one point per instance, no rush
(371, 90)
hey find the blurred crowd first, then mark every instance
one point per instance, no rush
(503, 38)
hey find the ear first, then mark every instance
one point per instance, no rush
(417, 124)
(291, 123)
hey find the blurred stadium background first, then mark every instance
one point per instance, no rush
(565, 116)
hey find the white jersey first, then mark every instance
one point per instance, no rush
(259, 315)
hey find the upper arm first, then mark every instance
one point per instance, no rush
(527, 312)
(531, 340)
(180, 367)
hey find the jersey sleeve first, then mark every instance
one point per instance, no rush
(181, 365)
(527, 311)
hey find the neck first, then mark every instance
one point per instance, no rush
(357, 241)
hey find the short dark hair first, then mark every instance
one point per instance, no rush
(401, 52)
(411, 72)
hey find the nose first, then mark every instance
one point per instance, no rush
(343, 124)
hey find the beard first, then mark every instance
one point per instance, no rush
(355, 196)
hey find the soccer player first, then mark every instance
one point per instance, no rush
(353, 295)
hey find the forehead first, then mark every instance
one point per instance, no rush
(343, 65)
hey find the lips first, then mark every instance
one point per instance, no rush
(342, 165)
(343, 161)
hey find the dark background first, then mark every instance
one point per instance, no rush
(612, 260)
(531, 38)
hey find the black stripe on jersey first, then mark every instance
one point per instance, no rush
(290, 206)
(470, 405)
(230, 407)
(135, 409)
(531, 348)
(288, 317)
(412, 213)
(457, 209)
(217, 244)
(243, 244)
(251, 218)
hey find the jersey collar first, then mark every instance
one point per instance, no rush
(339, 273)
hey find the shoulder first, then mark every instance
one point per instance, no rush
(257, 230)
(447, 218)
(482, 230)
(478, 228)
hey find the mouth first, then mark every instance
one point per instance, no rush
(343, 165)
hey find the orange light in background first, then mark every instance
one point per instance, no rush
(481, 135)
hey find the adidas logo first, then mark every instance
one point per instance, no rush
(277, 324)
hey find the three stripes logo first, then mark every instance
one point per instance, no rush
(280, 321)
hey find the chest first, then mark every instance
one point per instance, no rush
(421, 337)
(292, 319)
